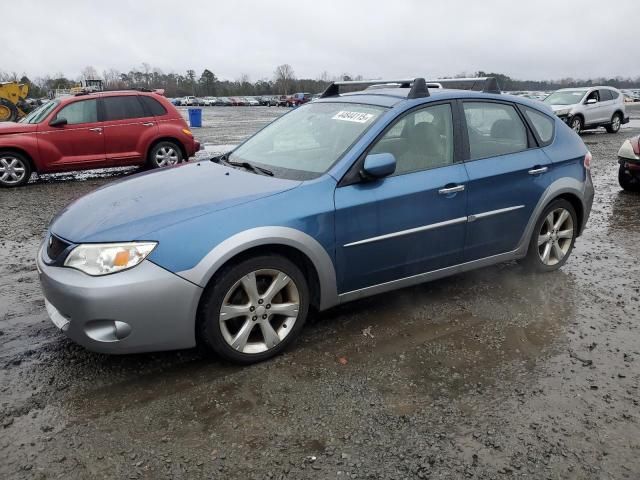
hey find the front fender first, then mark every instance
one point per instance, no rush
(269, 235)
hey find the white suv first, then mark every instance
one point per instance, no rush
(589, 107)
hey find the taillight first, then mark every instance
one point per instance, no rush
(587, 160)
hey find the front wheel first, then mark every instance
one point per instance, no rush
(164, 154)
(253, 310)
(616, 122)
(15, 170)
(553, 237)
(627, 181)
(576, 124)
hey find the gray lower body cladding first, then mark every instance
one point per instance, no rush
(143, 309)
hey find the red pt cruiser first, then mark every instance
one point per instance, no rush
(94, 130)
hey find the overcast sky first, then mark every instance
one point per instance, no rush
(539, 39)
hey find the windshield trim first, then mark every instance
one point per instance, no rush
(51, 105)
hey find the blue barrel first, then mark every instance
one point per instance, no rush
(195, 117)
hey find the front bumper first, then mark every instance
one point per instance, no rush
(143, 309)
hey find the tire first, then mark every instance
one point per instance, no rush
(577, 124)
(616, 123)
(8, 111)
(557, 222)
(259, 335)
(164, 154)
(15, 170)
(628, 182)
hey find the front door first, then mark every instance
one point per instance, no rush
(77, 144)
(413, 221)
(507, 177)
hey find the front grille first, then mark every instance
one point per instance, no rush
(55, 246)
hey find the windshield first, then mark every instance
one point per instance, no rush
(565, 97)
(40, 113)
(306, 142)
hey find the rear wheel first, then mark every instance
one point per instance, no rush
(628, 181)
(164, 154)
(616, 122)
(254, 309)
(576, 124)
(553, 237)
(8, 111)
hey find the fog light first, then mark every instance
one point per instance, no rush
(107, 330)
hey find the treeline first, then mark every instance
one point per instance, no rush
(283, 81)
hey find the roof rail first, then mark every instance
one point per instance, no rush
(418, 86)
(479, 84)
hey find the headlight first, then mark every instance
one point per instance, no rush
(104, 258)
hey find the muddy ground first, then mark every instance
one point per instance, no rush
(488, 374)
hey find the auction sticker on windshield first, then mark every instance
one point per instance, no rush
(353, 116)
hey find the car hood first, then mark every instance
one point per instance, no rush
(134, 208)
(7, 128)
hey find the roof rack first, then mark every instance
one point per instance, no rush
(478, 84)
(419, 86)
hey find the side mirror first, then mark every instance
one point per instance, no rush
(58, 122)
(378, 165)
(591, 101)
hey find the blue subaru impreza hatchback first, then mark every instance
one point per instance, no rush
(352, 195)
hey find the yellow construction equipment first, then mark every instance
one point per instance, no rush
(12, 100)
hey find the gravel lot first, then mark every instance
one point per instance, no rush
(489, 374)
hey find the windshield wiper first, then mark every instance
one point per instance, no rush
(224, 159)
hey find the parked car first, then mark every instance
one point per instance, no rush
(210, 101)
(250, 101)
(283, 101)
(109, 129)
(349, 196)
(189, 101)
(589, 107)
(176, 101)
(629, 160)
(298, 99)
(225, 101)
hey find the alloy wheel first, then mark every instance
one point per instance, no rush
(166, 156)
(12, 170)
(576, 125)
(259, 311)
(555, 236)
(615, 123)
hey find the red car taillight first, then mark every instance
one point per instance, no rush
(587, 160)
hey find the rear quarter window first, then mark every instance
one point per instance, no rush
(121, 108)
(153, 106)
(542, 124)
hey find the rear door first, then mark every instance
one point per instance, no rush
(508, 174)
(79, 143)
(607, 104)
(129, 129)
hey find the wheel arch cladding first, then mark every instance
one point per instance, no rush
(575, 202)
(298, 246)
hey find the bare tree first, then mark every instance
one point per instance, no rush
(284, 77)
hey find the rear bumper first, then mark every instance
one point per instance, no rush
(143, 309)
(587, 199)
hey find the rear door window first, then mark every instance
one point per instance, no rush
(493, 129)
(84, 111)
(121, 108)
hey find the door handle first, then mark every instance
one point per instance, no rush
(538, 170)
(148, 124)
(448, 190)
(96, 129)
